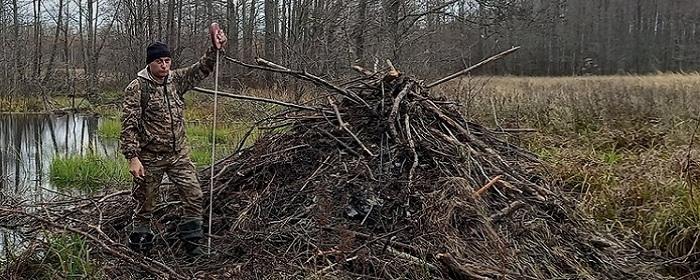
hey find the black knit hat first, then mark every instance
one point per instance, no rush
(156, 51)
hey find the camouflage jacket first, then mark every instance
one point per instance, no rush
(153, 114)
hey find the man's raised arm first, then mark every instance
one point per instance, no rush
(189, 77)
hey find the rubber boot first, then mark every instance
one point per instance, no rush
(141, 238)
(191, 235)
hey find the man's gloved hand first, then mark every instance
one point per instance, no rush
(218, 37)
(136, 168)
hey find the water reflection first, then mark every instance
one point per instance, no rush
(29, 142)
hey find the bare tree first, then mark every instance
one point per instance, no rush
(54, 45)
(232, 26)
(16, 70)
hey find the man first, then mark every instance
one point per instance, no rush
(153, 141)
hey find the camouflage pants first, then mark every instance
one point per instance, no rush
(181, 172)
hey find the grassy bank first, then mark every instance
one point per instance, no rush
(89, 172)
(35, 104)
(617, 143)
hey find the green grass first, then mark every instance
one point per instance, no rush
(675, 226)
(89, 173)
(227, 137)
(226, 133)
(611, 157)
(68, 257)
(111, 112)
(109, 128)
(201, 154)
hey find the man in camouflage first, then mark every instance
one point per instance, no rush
(153, 141)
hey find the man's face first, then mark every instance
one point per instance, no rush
(160, 67)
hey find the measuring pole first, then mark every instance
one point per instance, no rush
(214, 30)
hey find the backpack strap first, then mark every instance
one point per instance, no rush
(146, 89)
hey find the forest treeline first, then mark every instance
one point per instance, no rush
(87, 45)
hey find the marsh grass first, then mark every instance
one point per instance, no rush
(89, 172)
(614, 142)
(228, 137)
(109, 128)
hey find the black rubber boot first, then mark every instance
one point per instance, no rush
(191, 235)
(141, 238)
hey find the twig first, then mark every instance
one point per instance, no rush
(400, 245)
(258, 99)
(317, 80)
(473, 67)
(339, 141)
(395, 109)
(273, 67)
(486, 187)
(413, 259)
(456, 270)
(370, 242)
(393, 73)
(412, 146)
(515, 205)
(362, 71)
(344, 126)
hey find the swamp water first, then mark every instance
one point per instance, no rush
(28, 145)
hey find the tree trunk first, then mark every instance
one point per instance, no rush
(248, 36)
(170, 18)
(17, 71)
(177, 47)
(391, 14)
(149, 27)
(284, 28)
(360, 32)
(37, 39)
(638, 38)
(232, 27)
(160, 21)
(54, 46)
(270, 29)
(210, 11)
(270, 34)
(90, 55)
(4, 58)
